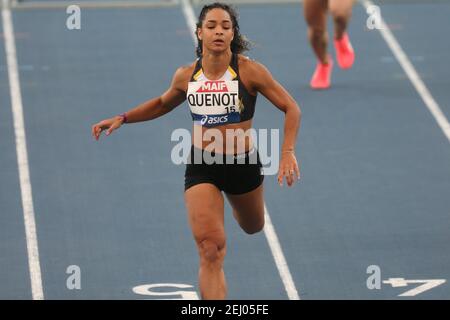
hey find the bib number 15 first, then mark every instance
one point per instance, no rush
(230, 109)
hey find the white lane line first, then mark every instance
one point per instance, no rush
(269, 230)
(190, 18)
(22, 155)
(412, 74)
(278, 256)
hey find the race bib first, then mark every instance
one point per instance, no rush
(214, 103)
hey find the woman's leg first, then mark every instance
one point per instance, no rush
(341, 11)
(315, 12)
(248, 209)
(316, 17)
(205, 207)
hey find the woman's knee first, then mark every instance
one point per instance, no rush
(315, 12)
(212, 249)
(252, 226)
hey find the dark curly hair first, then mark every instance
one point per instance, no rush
(239, 43)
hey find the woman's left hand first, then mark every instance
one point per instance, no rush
(288, 168)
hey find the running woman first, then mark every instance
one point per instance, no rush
(315, 12)
(220, 88)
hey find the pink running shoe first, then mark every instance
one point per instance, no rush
(321, 78)
(344, 52)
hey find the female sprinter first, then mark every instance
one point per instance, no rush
(315, 12)
(221, 88)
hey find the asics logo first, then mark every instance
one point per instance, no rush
(213, 119)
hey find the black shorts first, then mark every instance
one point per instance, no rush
(233, 174)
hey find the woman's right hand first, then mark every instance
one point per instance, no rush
(108, 124)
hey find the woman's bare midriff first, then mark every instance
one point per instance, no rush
(232, 138)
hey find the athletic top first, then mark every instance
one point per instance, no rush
(218, 102)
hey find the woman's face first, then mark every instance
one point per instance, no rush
(216, 31)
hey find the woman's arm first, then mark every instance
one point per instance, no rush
(151, 109)
(262, 81)
(157, 107)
